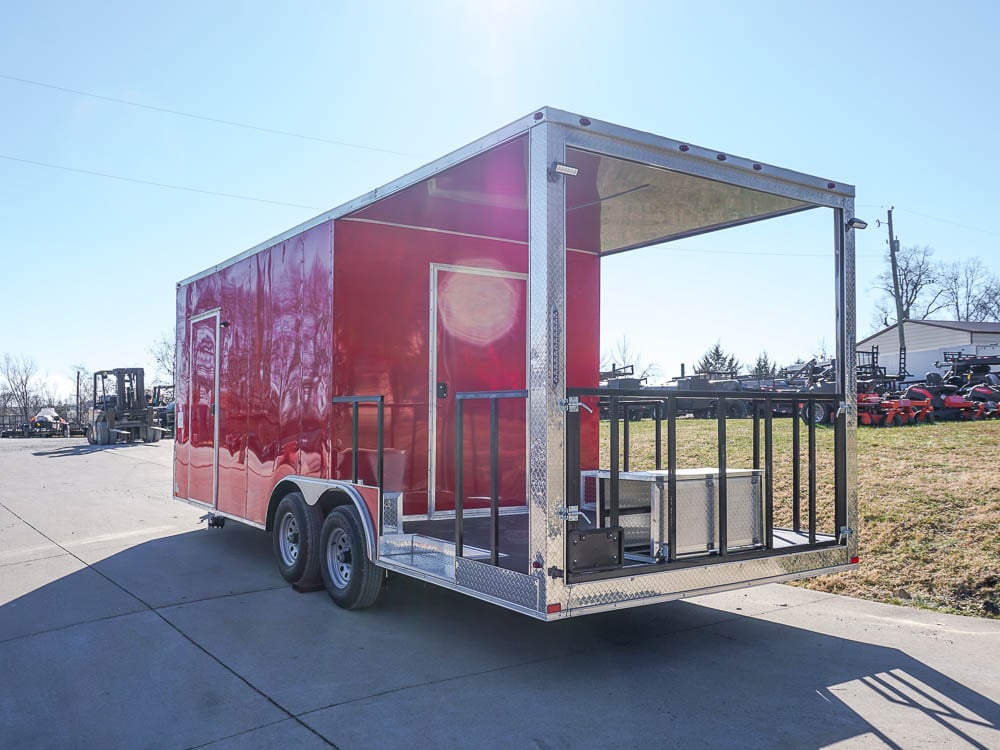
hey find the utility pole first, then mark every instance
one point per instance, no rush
(893, 247)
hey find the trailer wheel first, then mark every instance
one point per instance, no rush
(818, 415)
(295, 539)
(351, 579)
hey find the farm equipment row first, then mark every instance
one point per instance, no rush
(969, 391)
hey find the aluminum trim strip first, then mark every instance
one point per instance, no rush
(607, 130)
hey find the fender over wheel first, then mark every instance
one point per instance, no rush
(351, 579)
(295, 539)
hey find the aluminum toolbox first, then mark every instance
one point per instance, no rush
(642, 502)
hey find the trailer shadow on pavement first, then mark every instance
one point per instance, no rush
(191, 639)
(84, 448)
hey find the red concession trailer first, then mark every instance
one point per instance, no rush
(409, 383)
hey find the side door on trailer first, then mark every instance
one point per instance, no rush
(479, 332)
(203, 396)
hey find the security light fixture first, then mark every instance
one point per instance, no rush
(854, 223)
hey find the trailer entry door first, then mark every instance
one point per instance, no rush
(479, 321)
(203, 392)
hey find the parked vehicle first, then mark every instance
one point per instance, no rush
(409, 383)
(946, 400)
(47, 423)
(121, 410)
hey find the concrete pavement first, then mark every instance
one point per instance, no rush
(123, 623)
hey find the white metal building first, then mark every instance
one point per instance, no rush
(928, 340)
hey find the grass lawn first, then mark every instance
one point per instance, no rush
(929, 504)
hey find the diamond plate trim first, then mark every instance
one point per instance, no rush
(546, 358)
(507, 585)
(390, 512)
(691, 581)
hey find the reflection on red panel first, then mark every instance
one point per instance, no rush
(583, 356)
(481, 322)
(200, 418)
(234, 387)
(486, 195)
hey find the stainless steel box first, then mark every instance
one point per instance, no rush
(642, 502)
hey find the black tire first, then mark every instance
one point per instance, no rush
(102, 433)
(90, 435)
(818, 415)
(295, 539)
(351, 579)
(149, 435)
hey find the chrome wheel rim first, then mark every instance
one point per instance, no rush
(339, 559)
(288, 536)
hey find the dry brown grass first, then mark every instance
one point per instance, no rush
(929, 505)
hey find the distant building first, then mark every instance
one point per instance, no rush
(928, 340)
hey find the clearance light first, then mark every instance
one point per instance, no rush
(855, 560)
(553, 608)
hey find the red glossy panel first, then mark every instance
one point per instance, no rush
(200, 421)
(234, 387)
(486, 195)
(583, 322)
(481, 322)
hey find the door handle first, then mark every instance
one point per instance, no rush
(442, 390)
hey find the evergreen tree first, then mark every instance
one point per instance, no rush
(716, 360)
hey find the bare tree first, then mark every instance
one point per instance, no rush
(919, 288)
(19, 374)
(970, 291)
(86, 394)
(623, 354)
(164, 353)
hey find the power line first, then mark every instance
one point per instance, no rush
(948, 221)
(155, 184)
(205, 118)
(932, 218)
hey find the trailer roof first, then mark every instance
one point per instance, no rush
(636, 189)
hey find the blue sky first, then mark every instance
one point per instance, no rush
(899, 99)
